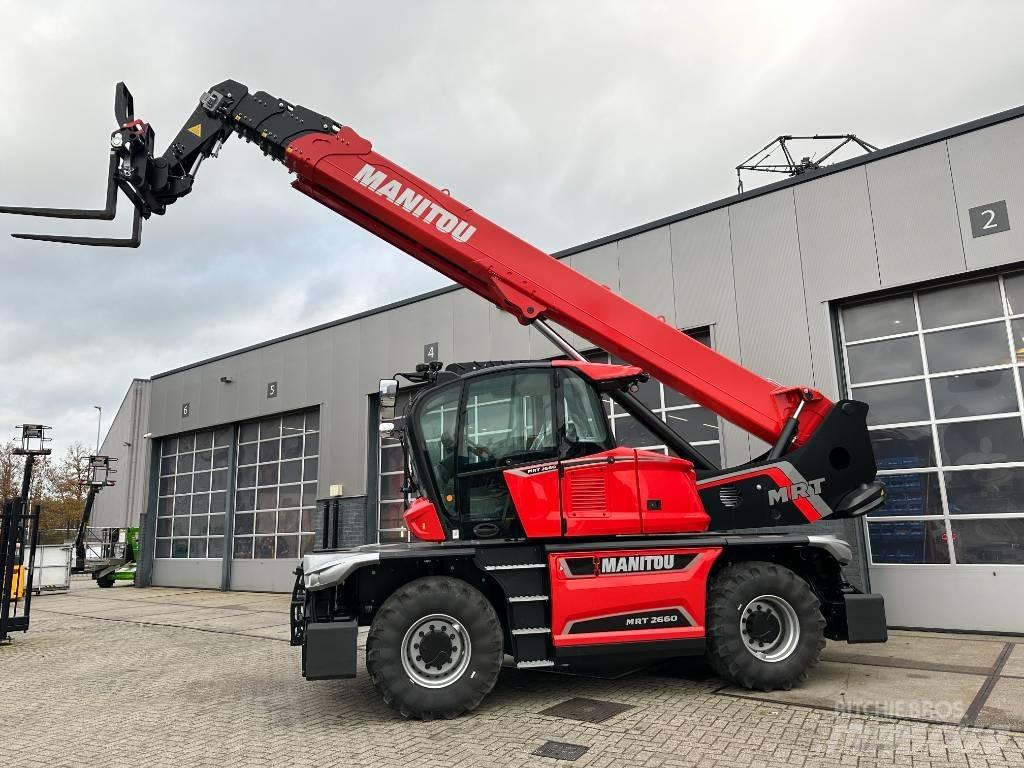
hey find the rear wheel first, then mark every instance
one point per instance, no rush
(435, 648)
(105, 581)
(765, 630)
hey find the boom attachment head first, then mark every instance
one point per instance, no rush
(152, 182)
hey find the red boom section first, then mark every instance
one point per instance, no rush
(343, 173)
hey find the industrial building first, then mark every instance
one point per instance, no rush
(892, 278)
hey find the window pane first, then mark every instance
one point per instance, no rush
(266, 522)
(985, 491)
(247, 454)
(245, 501)
(1018, 339)
(510, 419)
(288, 521)
(879, 318)
(216, 548)
(963, 303)
(186, 443)
(291, 471)
(180, 527)
(903, 447)
(973, 347)
(163, 548)
(309, 494)
(179, 548)
(982, 442)
(989, 542)
(290, 496)
(909, 542)
(204, 440)
(631, 433)
(310, 471)
(163, 526)
(675, 398)
(166, 486)
(270, 450)
(877, 360)
(246, 477)
(292, 424)
(312, 447)
(200, 504)
(243, 547)
(313, 421)
(693, 424)
(197, 548)
(974, 394)
(306, 544)
(201, 483)
(244, 523)
(586, 428)
(263, 548)
(894, 403)
(200, 525)
(291, 447)
(910, 494)
(268, 474)
(169, 446)
(220, 457)
(219, 480)
(287, 546)
(183, 484)
(649, 393)
(266, 498)
(182, 504)
(165, 507)
(184, 462)
(270, 428)
(222, 436)
(218, 502)
(248, 433)
(167, 465)
(307, 520)
(216, 525)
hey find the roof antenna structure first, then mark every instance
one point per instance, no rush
(760, 160)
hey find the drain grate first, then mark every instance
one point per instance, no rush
(586, 710)
(560, 750)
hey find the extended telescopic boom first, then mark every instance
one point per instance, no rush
(337, 167)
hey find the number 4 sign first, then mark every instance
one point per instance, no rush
(989, 219)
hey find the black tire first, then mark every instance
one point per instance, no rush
(739, 586)
(400, 614)
(105, 581)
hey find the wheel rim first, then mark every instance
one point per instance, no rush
(435, 651)
(770, 628)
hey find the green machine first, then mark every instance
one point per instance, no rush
(124, 571)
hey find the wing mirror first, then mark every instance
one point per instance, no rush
(388, 397)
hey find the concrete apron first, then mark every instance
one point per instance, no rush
(930, 677)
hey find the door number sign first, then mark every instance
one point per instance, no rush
(271, 389)
(185, 410)
(989, 219)
(430, 352)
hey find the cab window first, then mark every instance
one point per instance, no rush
(586, 426)
(508, 420)
(437, 418)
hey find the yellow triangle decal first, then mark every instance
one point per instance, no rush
(197, 130)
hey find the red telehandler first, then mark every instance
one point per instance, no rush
(538, 537)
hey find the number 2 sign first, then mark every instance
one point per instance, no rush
(989, 219)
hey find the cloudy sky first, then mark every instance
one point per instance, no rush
(563, 121)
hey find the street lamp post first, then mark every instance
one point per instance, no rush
(99, 421)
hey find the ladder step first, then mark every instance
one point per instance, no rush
(514, 567)
(531, 631)
(528, 599)
(534, 664)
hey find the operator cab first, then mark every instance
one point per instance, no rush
(500, 451)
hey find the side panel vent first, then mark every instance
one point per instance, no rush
(730, 496)
(588, 493)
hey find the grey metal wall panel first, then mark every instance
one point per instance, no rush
(645, 272)
(121, 505)
(508, 339)
(988, 166)
(262, 575)
(470, 316)
(204, 574)
(411, 327)
(705, 295)
(770, 301)
(837, 252)
(915, 219)
(343, 415)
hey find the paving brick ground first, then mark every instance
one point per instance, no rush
(164, 677)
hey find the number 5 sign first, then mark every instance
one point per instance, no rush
(989, 219)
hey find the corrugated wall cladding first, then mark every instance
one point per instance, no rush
(121, 505)
(761, 270)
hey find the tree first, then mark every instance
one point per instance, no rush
(10, 470)
(60, 490)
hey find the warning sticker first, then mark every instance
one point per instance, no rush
(197, 130)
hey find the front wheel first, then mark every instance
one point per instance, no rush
(765, 630)
(435, 648)
(105, 581)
